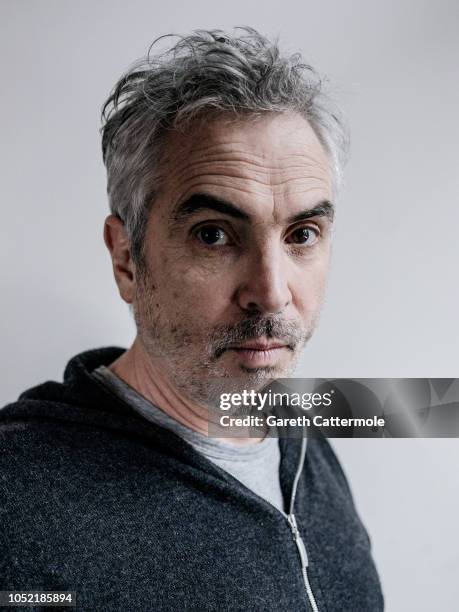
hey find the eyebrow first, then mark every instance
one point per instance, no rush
(205, 201)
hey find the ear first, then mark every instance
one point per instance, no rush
(118, 244)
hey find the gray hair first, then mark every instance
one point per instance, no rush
(206, 72)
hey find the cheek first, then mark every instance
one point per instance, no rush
(186, 289)
(309, 288)
(190, 293)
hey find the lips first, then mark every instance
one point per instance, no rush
(257, 346)
(258, 353)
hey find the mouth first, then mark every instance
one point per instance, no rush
(259, 353)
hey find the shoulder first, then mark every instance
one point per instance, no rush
(326, 466)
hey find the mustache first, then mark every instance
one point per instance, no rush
(288, 332)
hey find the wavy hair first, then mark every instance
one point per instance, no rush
(210, 71)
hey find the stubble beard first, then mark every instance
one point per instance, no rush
(192, 357)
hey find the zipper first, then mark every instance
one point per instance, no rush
(296, 533)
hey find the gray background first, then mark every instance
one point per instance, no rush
(393, 297)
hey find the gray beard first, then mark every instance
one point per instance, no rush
(204, 379)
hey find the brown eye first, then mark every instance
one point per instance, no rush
(212, 235)
(304, 235)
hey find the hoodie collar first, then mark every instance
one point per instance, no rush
(81, 398)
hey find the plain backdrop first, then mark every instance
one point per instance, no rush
(393, 297)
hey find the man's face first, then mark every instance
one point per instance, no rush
(236, 251)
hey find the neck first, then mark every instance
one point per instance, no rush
(148, 377)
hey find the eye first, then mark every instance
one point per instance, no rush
(304, 235)
(212, 235)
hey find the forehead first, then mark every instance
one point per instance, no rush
(276, 155)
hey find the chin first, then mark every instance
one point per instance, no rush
(267, 372)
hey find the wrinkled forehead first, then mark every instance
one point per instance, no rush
(257, 155)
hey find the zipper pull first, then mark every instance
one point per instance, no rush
(298, 540)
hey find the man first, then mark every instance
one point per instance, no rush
(223, 166)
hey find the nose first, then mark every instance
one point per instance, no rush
(264, 287)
